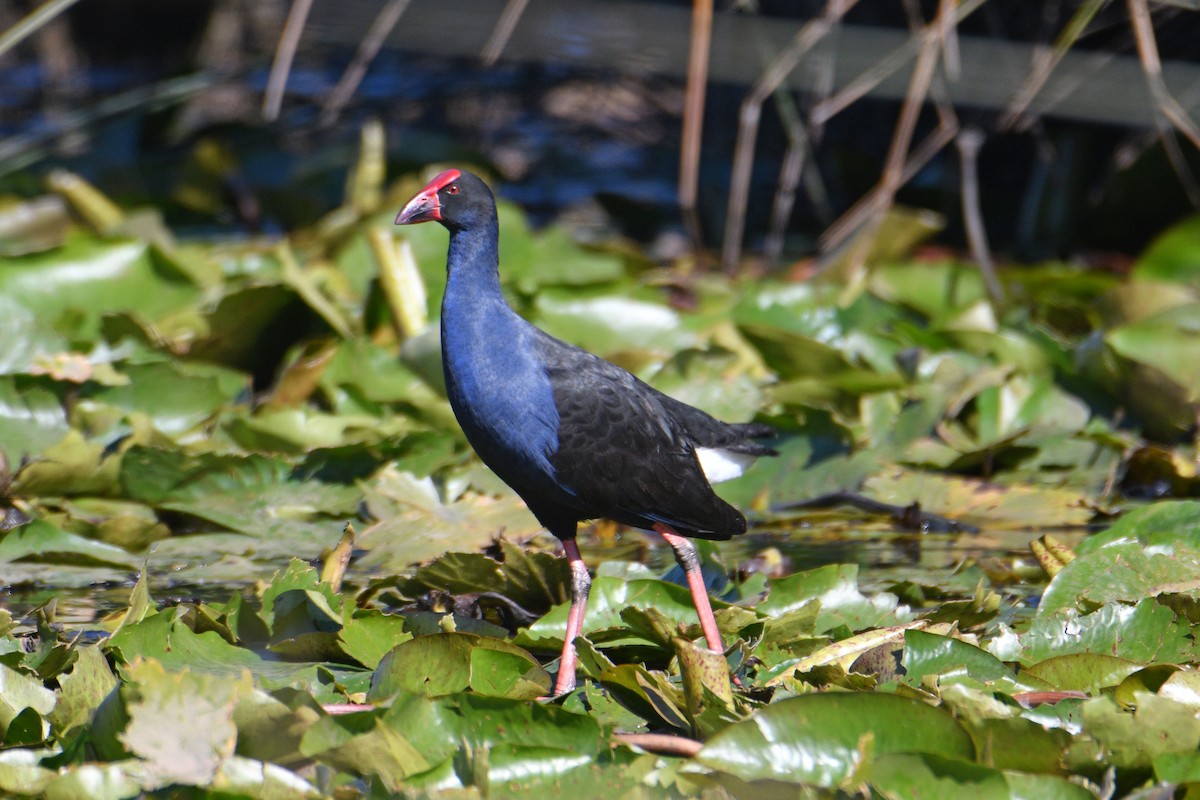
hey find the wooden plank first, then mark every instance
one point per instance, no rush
(652, 39)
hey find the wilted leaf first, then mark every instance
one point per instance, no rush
(181, 724)
(415, 525)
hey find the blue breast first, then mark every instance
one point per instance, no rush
(499, 391)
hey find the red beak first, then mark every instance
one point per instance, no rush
(422, 208)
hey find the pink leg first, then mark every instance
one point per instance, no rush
(685, 554)
(581, 583)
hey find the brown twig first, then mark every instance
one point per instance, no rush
(285, 52)
(1168, 107)
(862, 85)
(949, 33)
(1045, 60)
(969, 142)
(337, 709)
(751, 114)
(853, 219)
(790, 173)
(32, 22)
(505, 25)
(898, 168)
(693, 119)
(661, 743)
(383, 24)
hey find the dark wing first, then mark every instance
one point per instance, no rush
(625, 454)
(705, 430)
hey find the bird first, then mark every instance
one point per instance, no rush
(577, 437)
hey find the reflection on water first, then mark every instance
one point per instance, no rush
(883, 558)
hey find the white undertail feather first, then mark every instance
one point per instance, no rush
(723, 465)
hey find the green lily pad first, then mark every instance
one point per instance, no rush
(825, 739)
(453, 662)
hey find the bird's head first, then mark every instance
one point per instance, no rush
(454, 198)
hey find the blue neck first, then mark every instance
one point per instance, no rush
(473, 263)
(496, 384)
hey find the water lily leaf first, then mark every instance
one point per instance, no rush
(295, 431)
(928, 654)
(1034, 406)
(1157, 727)
(978, 502)
(73, 466)
(487, 721)
(553, 258)
(533, 580)
(252, 495)
(1140, 299)
(648, 694)
(168, 640)
(19, 692)
(1085, 672)
(793, 355)
(1126, 572)
(82, 689)
(453, 662)
(130, 526)
(176, 396)
(368, 635)
(180, 723)
(825, 739)
(305, 627)
(33, 226)
(608, 324)
(112, 781)
(1160, 524)
(363, 744)
(516, 771)
(936, 289)
(1015, 743)
(362, 376)
(932, 777)
(1143, 633)
(271, 726)
(25, 338)
(247, 777)
(1169, 342)
(42, 541)
(709, 380)
(706, 687)
(1173, 255)
(841, 603)
(416, 525)
(89, 277)
(1177, 767)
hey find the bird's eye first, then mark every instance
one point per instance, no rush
(452, 189)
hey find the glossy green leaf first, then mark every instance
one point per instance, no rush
(453, 662)
(1124, 572)
(1169, 342)
(827, 738)
(929, 777)
(1161, 524)
(1143, 633)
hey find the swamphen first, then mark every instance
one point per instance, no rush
(578, 438)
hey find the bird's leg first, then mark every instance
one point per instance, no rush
(689, 559)
(581, 584)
